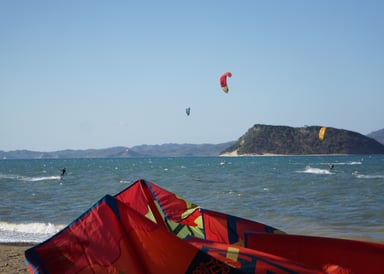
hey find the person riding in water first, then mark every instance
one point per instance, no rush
(63, 172)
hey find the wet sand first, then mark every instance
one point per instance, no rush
(12, 259)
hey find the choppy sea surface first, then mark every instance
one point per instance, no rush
(297, 194)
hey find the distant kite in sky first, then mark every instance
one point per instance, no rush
(223, 81)
(188, 111)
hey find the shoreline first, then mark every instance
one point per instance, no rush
(12, 259)
(235, 154)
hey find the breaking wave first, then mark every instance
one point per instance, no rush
(27, 232)
(315, 170)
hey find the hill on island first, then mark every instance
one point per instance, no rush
(377, 135)
(284, 140)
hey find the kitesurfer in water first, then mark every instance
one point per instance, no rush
(331, 166)
(63, 171)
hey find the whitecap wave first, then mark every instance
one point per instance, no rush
(27, 232)
(315, 170)
(353, 163)
(28, 179)
(46, 178)
(349, 163)
(125, 181)
(368, 176)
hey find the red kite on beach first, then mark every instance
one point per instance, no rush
(147, 229)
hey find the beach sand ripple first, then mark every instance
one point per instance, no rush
(12, 259)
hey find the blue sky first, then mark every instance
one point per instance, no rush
(96, 74)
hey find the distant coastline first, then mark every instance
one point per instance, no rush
(260, 140)
(164, 150)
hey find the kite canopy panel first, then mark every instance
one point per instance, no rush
(322, 133)
(145, 227)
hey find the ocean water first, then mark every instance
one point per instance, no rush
(297, 194)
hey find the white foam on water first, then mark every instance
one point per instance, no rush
(315, 170)
(368, 176)
(27, 232)
(46, 178)
(28, 179)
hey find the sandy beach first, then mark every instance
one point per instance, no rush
(12, 259)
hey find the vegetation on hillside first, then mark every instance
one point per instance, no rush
(266, 139)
